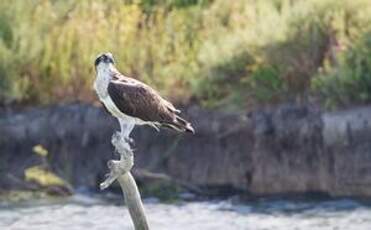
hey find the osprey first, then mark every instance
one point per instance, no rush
(132, 102)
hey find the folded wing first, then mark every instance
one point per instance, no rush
(138, 100)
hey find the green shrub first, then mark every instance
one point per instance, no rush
(55, 42)
(348, 79)
(218, 52)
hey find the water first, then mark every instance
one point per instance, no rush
(83, 212)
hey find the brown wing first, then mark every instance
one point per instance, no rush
(118, 76)
(138, 100)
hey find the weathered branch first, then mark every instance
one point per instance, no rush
(133, 201)
(120, 170)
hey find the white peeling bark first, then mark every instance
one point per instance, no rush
(120, 170)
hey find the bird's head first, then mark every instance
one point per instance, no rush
(104, 60)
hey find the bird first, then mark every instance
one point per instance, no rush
(133, 102)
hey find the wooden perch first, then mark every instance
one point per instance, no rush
(120, 170)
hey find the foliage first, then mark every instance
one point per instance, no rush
(40, 150)
(272, 49)
(348, 79)
(54, 43)
(215, 51)
(43, 177)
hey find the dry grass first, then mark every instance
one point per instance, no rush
(244, 51)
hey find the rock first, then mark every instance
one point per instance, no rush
(281, 150)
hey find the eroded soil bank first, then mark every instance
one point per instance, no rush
(286, 149)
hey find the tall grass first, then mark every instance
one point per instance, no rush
(272, 51)
(240, 52)
(48, 47)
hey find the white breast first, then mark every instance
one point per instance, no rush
(100, 86)
(107, 101)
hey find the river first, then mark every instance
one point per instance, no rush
(88, 212)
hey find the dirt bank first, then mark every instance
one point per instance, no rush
(287, 149)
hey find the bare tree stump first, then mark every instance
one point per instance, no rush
(120, 171)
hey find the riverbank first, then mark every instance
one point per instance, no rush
(282, 150)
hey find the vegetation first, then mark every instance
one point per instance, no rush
(41, 175)
(214, 51)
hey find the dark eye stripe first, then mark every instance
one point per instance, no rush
(98, 60)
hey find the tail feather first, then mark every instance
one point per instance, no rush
(187, 126)
(180, 125)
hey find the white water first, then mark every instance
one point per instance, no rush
(82, 212)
